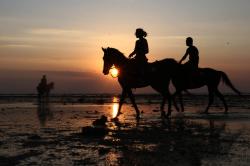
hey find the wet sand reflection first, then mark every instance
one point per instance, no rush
(115, 107)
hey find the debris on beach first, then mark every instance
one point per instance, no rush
(100, 122)
(34, 137)
(98, 128)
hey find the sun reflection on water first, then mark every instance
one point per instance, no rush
(115, 110)
(112, 158)
(115, 107)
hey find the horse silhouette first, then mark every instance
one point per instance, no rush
(44, 91)
(183, 79)
(158, 76)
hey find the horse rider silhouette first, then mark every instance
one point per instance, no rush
(140, 51)
(191, 66)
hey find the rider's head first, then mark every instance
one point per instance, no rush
(189, 41)
(139, 33)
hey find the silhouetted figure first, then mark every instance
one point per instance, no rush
(140, 51)
(193, 54)
(191, 66)
(44, 89)
(160, 73)
(43, 81)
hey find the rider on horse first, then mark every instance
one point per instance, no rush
(140, 51)
(191, 66)
(193, 53)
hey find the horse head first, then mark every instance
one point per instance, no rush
(112, 57)
(108, 60)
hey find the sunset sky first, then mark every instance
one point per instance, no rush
(63, 39)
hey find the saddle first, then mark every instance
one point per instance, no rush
(193, 77)
(138, 72)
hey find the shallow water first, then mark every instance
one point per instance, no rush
(50, 134)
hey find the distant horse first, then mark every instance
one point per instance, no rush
(159, 74)
(44, 91)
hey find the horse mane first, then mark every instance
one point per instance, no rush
(116, 52)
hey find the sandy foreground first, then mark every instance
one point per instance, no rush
(51, 135)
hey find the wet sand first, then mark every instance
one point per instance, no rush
(51, 135)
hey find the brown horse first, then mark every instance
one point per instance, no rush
(158, 76)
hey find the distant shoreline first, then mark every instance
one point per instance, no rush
(103, 94)
(104, 98)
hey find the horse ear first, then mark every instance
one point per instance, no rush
(103, 49)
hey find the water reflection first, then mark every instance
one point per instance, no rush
(112, 158)
(44, 113)
(115, 107)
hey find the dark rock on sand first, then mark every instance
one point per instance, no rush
(100, 122)
(90, 131)
(34, 137)
(103, 151)
(98, 130)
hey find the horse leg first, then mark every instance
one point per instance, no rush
(122, 98)
(175, 104)
(169, 104)
(132, 98)
(217, 92)
(181, 102)
(163, 115)
(211, 99)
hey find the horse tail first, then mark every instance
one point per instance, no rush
(227, 81)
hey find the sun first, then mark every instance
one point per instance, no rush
(114, 72)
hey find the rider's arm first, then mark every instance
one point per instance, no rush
(184, 57)
(132, 53)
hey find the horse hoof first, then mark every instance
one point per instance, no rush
(115, 119)
(118, 114)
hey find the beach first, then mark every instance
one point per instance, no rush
(51, 134)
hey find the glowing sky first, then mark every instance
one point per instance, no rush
(65, 36)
